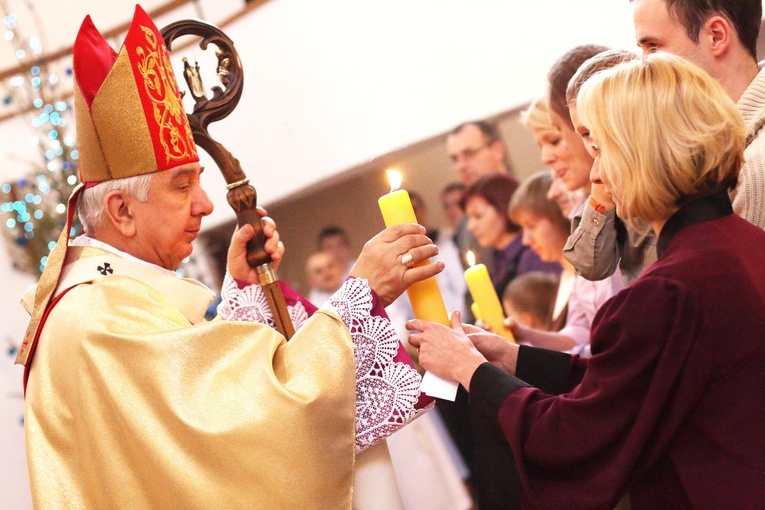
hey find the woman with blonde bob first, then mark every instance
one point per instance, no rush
(669, 410)
(694, 146)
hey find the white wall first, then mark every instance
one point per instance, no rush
(330, 85)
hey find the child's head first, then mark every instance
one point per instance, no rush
(545, 228)
(529, 299)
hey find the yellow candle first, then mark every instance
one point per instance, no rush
(425, 296)
(485, 297)
(476, 311)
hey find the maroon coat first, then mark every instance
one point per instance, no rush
(671, 406)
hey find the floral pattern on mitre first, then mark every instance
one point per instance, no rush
(386, 390)
(249, 304)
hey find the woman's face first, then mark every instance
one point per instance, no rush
(569, 159)
(542, 235)
(600, 178)
(486, 223)
(549, 141)
(589, 144)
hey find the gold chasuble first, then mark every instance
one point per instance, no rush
(134, 401)
(129, 405)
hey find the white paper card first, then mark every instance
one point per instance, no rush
(434, 386)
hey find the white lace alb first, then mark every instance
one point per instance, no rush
(386, 390)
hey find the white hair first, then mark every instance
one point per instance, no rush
(90, 204)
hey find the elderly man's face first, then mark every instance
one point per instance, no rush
(168, 222)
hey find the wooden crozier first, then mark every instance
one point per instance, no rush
(241, 195)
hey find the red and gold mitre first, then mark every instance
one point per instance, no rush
(130, 120)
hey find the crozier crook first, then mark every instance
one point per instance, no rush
(241, 195)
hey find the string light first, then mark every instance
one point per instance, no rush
(33, 208)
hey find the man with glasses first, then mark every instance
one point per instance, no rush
(476, 149)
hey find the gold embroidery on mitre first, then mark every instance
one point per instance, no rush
(122, 126)
(159, 84)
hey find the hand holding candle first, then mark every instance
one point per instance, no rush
(425, 296)
(485, 297)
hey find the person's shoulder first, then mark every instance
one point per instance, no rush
(108, 292)
(730, 233)
(717, 254)
(751, 105)
(653, 294)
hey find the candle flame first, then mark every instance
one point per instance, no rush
(470, 256)
(394, 177)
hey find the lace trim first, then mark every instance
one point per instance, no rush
(386, 390)
(250, 305)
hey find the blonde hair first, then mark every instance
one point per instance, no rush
(90, 204)
(667, 133)
(536, 116)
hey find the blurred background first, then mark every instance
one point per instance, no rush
(335, 93)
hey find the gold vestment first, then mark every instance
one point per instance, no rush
(133, 401)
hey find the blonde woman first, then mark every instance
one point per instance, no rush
(536, 118)
(671, 402)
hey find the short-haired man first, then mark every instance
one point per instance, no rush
(720, 36)
(451, 195)
(334, 239)
(132, 399)
(324, 276)
(476, 149)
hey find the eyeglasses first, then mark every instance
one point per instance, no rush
(468, 153)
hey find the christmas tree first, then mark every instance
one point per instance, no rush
(34, 207)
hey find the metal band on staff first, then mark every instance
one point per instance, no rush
(237, 184)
